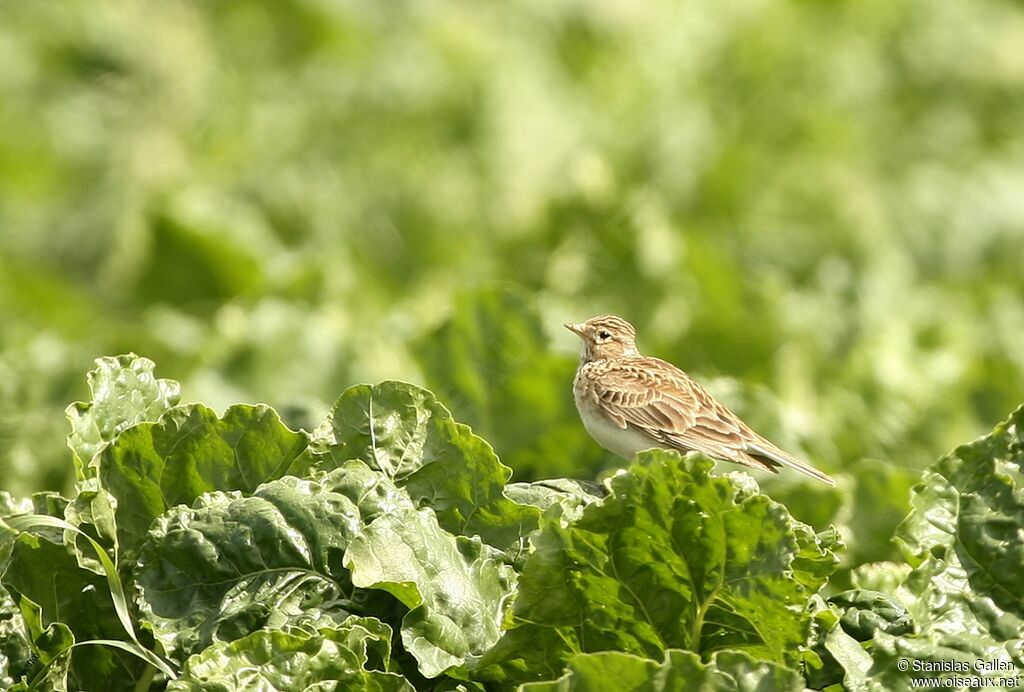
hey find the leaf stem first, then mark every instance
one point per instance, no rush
(698, 620)
(146, 679)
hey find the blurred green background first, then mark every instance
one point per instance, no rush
(815, 207)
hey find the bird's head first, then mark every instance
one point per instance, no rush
(605, 337)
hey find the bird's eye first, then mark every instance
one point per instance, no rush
(603, 335)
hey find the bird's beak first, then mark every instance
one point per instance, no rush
(576, 329)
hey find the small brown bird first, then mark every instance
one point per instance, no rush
(630, 402)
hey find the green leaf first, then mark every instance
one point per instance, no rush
(15, 650)
(880, 576)
(457, 588)
(225, 567)
(571, 496)
(941, 653)
(293, 660)
(964, 539)
(525, 653)
(817, 555)
(492, 362)
(53, 649)
(109, 570)
(404, 432)
(968, 511)
(190, 451)
(49, 503)
(851, 657)
(450, 685)
(819, 667)
(561, 499)
(77, 598)
(367, 637)
(92, 512)
(676, 558)
(953, 623)
(679, 671)
(9, 506)
(865, 611)
(221, 569)
(124, 393)
(969, 508)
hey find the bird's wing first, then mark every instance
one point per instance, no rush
(660, 400)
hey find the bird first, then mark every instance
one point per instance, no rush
(629, 402)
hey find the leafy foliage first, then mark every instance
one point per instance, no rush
(231, 562)
(387, 550)
(674, 558)
(47, 579)
(187, 452)
(813, 207)
(680, 670)
(427, 196)
(294, 660)
(406, 434)
(965, 542)
(124, 392)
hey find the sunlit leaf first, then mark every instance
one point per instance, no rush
(190, 451)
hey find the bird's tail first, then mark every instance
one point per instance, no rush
(765, 451)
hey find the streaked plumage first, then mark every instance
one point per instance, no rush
(629, 402)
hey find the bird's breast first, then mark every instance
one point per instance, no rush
(623, 442)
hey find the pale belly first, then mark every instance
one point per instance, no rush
(620, 441)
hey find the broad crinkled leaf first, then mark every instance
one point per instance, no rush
(968, 513)
(223, 568)
(456, 587)
(864, 612)
(367, 637)
(190, 451)
(969, 508)
(271, 660)
(124, 392)
(231, 564)
(953, 623)
(561, 499)
(965, 538)
(963, 650)
(92, 510)
(679, 671)
(404, 432)
(816, 556)
(525, 653)
(50, 503)
(571, 496)
(676, 558)
(851, 658)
